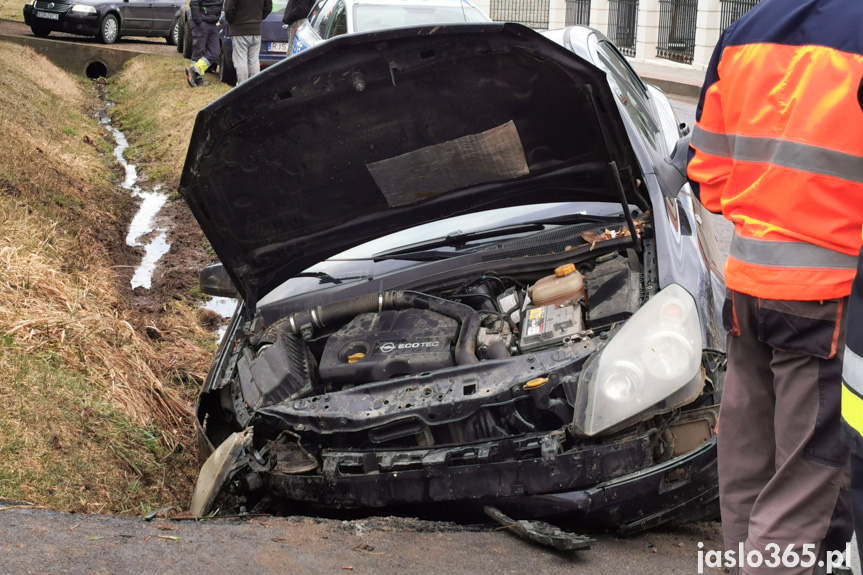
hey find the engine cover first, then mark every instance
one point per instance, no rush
(379, 346)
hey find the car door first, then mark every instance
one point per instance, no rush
(163, 16)
(630, 92)
(137, 17)
(338, 22)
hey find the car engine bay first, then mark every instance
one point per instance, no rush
(340, 362)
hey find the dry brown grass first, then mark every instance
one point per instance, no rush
(157, 110)
(12, 10)
(76, 317)
(97, 416)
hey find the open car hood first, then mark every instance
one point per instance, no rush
(369, 134)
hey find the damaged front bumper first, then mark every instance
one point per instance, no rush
(609, 484)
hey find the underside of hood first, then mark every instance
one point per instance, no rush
(370, 134)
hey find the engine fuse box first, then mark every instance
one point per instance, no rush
(548, 325)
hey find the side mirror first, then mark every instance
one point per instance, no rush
(684, 129)
(214, 280)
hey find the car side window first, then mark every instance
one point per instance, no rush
(339, 24)
(629, 91)
(325, 17)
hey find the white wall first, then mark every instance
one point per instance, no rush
(706, 35)
(484, 5)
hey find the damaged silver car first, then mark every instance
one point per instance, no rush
(471, 271)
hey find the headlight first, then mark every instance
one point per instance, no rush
(83, 9)
(655, 357)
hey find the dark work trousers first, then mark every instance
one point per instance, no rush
(205, 42)
(783, 467)
(857, 498)
(853, 378)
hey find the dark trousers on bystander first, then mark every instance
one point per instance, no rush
(783, 467)
(205, 44)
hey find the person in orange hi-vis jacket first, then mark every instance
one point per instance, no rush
(778, 150)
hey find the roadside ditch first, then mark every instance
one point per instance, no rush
(104, 355)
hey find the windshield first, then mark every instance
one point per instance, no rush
(279, 6)
(369, 17)
(356, 264)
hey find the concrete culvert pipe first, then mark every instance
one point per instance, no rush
(96, 69)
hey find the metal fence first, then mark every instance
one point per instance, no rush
(577, 12)
(623, 24)
(677, 30)
(532, 13)
(732, 10)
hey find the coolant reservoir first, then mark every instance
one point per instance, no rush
(567, 284)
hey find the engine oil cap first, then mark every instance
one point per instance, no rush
(564, 270)
(356, 357)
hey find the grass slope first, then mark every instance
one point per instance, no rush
(156, 109)
(97, 415)
(12, 10)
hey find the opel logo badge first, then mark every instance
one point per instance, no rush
(50, 5)
(388, 347)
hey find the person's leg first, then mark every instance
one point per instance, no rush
(841, 526)
(857, 499)
(197, 50)
(212, 49)
(796, 506)
(240, 57)
(206, 50)
(197, 46)
(254, 61)
(852, 397)
(745, 440)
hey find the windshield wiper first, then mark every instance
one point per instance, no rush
(456, 240)
(325, 278)
(425, 250)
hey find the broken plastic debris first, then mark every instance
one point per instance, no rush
(540, 532)
(592, 237)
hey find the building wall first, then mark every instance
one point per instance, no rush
(706, 35)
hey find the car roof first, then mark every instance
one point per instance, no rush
(573, 38)
(411, 2)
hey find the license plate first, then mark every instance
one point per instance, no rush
(278, 46)
(48, 15)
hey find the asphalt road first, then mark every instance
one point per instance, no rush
(49, 543)
(142, 45)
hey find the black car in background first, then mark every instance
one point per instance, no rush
(106, 20)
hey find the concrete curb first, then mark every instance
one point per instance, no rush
(89, 60)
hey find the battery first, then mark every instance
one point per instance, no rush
(549, 325)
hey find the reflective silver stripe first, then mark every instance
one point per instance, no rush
(712, 143)
(789, 254)
(852, 371)
(804, 157)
